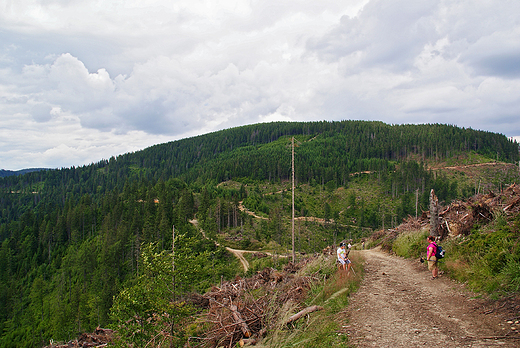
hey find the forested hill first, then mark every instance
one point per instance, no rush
(325, 148)
(4, 173)
(326, 151)
(84, 246)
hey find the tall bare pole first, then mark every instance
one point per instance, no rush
(293, 252)
(173, 262)
(434, 214)
(416, 202)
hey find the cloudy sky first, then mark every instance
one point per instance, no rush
(84, 80)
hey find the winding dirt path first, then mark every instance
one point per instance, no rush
(398, 305)
(239, 254)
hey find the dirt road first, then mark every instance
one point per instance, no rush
(239, 254)
(398, 305)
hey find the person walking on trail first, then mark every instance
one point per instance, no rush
(344, 262)
(431, 250)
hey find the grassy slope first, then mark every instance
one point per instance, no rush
(477, 174)
(321, 328)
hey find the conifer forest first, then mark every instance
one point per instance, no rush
(134, 235)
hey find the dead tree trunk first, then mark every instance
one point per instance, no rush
(434, 214)
(303, 312)
(240, 321)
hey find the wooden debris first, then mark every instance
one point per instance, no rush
(100, 338)
(434, 214)
(512, 204)
(460, 216)
(303, 312)
(250, 341)
(243, 311)
(240, 321)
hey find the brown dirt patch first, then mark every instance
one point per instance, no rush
(398, 305)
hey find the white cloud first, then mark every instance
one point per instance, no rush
(86, 80)
(497, 54)
(499, 91)
(386, 34)
(63, 142)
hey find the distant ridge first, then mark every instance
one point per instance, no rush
(5, 173)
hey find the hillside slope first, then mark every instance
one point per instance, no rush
(77, 241)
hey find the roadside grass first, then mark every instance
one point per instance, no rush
(320, 328)
(411, 244)
(487, 260)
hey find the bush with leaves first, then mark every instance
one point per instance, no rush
(150, 310)
(146, 313)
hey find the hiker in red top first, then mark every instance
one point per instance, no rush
(431, 250)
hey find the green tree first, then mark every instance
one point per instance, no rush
(147, 306)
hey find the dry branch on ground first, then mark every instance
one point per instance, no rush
(242, 311)
(99, 338)
(459, 217)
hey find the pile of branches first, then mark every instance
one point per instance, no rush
(244, 310)
(410, 224)
(99, 338)
(460, 217)
(385, 238)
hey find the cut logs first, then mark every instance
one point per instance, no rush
(99, 338)
(303, 312)
(238, 319)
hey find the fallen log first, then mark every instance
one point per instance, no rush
(241, 322)
(303, 312)
(511, 205)
(250, 341)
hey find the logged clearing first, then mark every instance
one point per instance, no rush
(398, 305)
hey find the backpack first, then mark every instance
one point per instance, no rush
(440, 252)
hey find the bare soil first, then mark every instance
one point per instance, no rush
(398, 305)
(239, 254)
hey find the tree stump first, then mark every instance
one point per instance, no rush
(434, 214)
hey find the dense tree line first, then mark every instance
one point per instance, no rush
(63, 264)
(73, 239)
(327, 151)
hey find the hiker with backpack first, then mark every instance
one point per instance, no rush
(431, 252)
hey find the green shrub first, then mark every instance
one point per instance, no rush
(488, 260)
(511, 274)
(411, 243)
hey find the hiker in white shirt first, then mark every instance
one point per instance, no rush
(343, 257)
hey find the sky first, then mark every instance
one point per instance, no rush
(85, 80)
